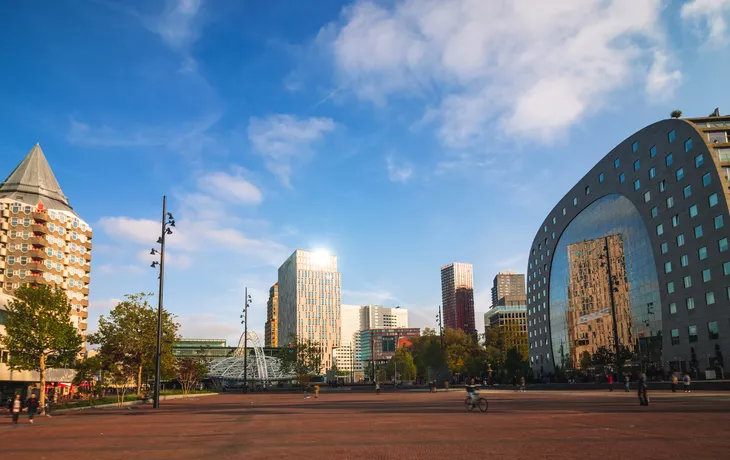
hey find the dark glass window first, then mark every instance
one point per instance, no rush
(692, 332)
(616, 163)
(675, 336)
(712, 200)
(652, 172)
(388, 344)
(712, 330)
(672, 135)
(698, 231)
(722, 245)
(668, 160)
(702, 253)
(706, 180)
(670, 202)
(719, 222)
(680, 174)
(693, 211)
(688, 145)
(706, 275)
(588, 190)
(637, 165)
(635, 146)
(680, 240)
(637, 184)
(654, 212)
(675, 220)
(621, 178)
(687, 191)
(600, 177)
(664, 247)
(652, 152)
(699, 160)
(726, 268)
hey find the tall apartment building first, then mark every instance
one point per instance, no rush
(271, 329)
(309, 301)
(457, 293)
(509, 288)
(42, 239)
(377, 316)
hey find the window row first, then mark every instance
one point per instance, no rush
(692, 336)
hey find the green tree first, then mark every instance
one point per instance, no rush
(426, 351)
(401, 366)
(38, 332)
(128, 337)
(585, 361)
(86, 369)
(303, 359)
(190, 372)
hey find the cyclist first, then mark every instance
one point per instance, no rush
(471, 390)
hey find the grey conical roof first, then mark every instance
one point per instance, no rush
(32, 181)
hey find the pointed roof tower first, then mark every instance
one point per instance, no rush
(33, 182)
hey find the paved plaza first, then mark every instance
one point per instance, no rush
(403, 425)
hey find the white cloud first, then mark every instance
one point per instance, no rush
(526, 67)
(127, 228)
(206, 326)
(283, 138)
(114, 269)
(172, 260)
(661, 82)
(100, 306)
(231, 188)
(375, 297)
(398, 172)
(711, 15)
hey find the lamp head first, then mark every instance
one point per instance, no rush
(168, 231)
(159, 240)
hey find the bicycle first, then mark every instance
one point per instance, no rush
(477, 401)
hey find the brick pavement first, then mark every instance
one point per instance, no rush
(403, 425)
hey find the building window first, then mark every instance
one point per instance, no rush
(575, 201)
(688, 145)
(637, 165)
(675, 220)
(564, 211)
(684, 260)
(672, 308)
(693, 211)
(668, 160)
(675, 336)
(660, 229)
(616, 163)
(670, 202)
(670, 287)
(687, 280)
(637, 184)
(621, 178)
(664, 247)
(687, 191)
(588, 190)
(652, 172)
(667, 267)
(698, 231)
(647, 196)
(692, 331)
(654, 212)
(601, 177)
(726, 268)
(719, 223)
(706, 180)
(663, 186)
(652, 152)
(706, 275)
(722, 245)
(635, 146)
(680, 174)
(672, 135)
(690, 302)
(713, 200)
(702, 253)
(712, 330)
(699, 160)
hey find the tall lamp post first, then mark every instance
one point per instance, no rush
(244, 321)
(441, 328)
(167, 223)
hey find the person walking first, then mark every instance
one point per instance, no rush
(643, 398)
(316, 391)
(687, 383)
(610, 382)
(675, 381)
(16, 407)
(32, 406)
(522, 384)
(627, 384)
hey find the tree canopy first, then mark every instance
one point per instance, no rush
(303, 358)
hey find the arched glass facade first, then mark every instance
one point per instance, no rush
(604, 290)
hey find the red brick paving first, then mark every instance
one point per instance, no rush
(403, 425)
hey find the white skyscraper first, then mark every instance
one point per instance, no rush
(309, 301)
(378, 317)
(349, 336)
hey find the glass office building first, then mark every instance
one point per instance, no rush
(633, 264)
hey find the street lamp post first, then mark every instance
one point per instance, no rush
(167, 222)
(244, 315)
(441, 328)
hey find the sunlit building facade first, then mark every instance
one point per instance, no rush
(271, 328)
(636, 257)
(457, 295)
(508, 287)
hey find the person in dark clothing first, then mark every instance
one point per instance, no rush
(15, 407)
(32, 405)
(643, 398)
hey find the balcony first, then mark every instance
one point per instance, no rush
(40, 216)
(83, 326)
(39, 228)
(37, 241)
(85, 291)
(82, 314)
(87, 256)
(36, 266)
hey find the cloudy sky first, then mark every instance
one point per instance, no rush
(401, 135)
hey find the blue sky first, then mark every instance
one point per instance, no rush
(401, 135)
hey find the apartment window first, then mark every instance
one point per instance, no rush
(690, 303)
(684, 260)
(670, 202)
(688, 145)
(616, 163)
(553, 237)
(635, 146)
(693, 211)
(698, 231)
(675, 220)
(680, 174)
(687, 191)
(588, 190)
(664, 247)
(637, 184)
(654, 212)
(706, 180)
(675, 336)
(706, 275)
(637, 165)
(722, 245)
(668, 160)
(621, 178)
(672, 135)
(564, 211)
(601, 177)
(726, 268)
(652, 152)
(712, 330)
(647, 196)
(687, 281)
(718, 222)
(652, 172)
(699, 160)
(575, 201)
(672, 308)
(667, 267)
(660, 229)
(692, 331)
(670, 287)
(712, 199)
(680, 240)
(702, 253)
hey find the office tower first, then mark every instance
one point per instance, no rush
(271, 329)
(350, 326)
(377, 316)
(42, 239)
(309, 301)
(457, 293)
(509, 288)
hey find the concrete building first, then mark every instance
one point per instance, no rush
(457, 293)
(513, 320)
(271, 329)
(378, 346)
(377, 316)
(637, 256)
(309, 301)
(508, 287)
(42, 239)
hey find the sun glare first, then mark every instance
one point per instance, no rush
(320, 257)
